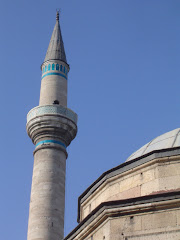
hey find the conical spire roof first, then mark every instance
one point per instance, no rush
(56, 46)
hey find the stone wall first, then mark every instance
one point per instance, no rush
(158, 175)
(155, 217)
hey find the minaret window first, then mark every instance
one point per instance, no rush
(64, 69)
(57, 67)
(56, 102)
(53, 66)
(45, 68)
(61, 68)
(49, 67)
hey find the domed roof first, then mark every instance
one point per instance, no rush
(167, 140)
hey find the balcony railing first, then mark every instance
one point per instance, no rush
(52, 110)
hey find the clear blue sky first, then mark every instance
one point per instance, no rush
(123, 83)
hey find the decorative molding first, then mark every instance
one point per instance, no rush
(51, 141)
(113, 209)
(54, 73)
(155, 155)
(52, 110)
(50, 146)
(55, 66)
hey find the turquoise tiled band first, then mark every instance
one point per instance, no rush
(52, 109)
(51, 141)
(54, 73)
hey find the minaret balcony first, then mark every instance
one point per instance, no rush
(52, 122)
(52, 110)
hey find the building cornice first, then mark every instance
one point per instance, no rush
(156, 154)
(154, 202)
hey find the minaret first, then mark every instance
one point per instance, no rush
(52, 127)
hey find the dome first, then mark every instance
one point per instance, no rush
(167, 140)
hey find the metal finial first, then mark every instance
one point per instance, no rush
(57, 14)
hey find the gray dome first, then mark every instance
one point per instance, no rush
(167, 140)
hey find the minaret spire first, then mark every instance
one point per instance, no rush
(51, 126)
(57, 14)
(56, 46)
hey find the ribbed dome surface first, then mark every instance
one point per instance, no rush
(168, 140)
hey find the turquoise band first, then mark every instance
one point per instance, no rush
(54, 73)
(51, 141)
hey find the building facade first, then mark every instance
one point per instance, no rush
(138, 200)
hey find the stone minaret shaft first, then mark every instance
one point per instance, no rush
(52, 127)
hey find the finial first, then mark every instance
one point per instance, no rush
(57, 14)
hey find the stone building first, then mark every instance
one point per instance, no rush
(138, 200)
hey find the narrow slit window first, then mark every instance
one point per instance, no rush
(89, 208)
(49, 67)
(53, 66)
(57, 67)
(61, 68)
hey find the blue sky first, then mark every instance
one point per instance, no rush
(123, 84)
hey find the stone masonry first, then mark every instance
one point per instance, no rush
(52, 127)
